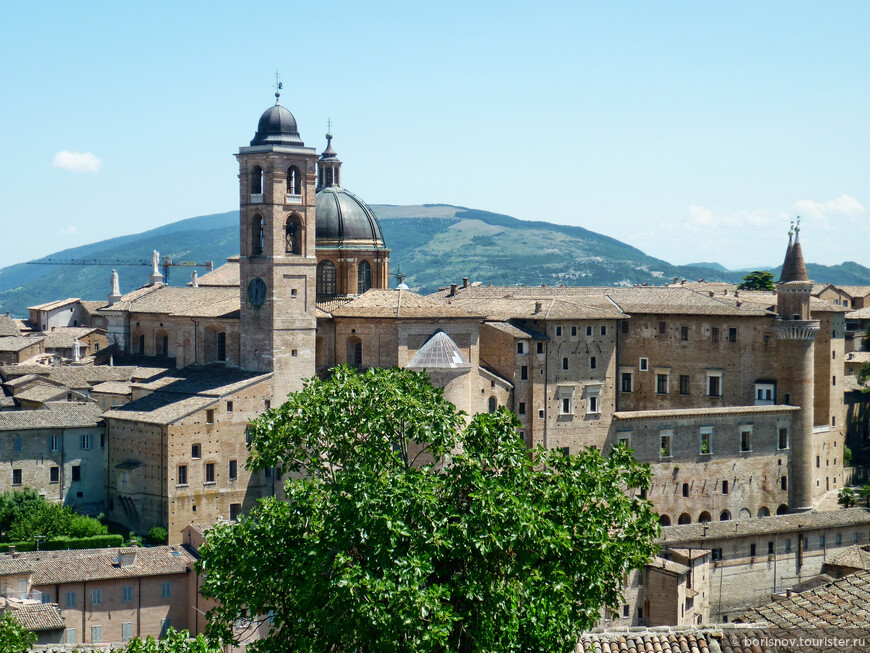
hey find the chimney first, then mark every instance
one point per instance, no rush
(453, 288)
(684, 281)
(711, 293)
(127, 557)
(736, 294)
(645, 283)
(465, 282)
(537, 307)
(12, 552)
(676, 280)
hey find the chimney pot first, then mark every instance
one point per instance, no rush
(537, 307)
(453, 288)
(465, 282)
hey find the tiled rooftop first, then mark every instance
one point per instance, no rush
(672, 535)
(9, 326)
(860, 314)
(65, 337)
(52, 567)
(225, 275)
(726, 638)
(215, 301)
(63, 414)
(41, 392)
(855, 557)
(401, 304)
(841, 606)
(17, 343)
(37, 617)
(48, 306)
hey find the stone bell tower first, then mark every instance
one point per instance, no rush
(795, 333)
(277, 261)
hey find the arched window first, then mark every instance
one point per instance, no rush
(724, 515)
(293, 235)
(294, 181)
(257, 181)
(257, 236)
(745, 514)
(664, 520)
(329, 176)
(782, 510)
(764, 511)
(684, 519)
(326, 278)
(363, 277)
(493, 404)
(705, 518)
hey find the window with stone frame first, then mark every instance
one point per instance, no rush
(666, 438)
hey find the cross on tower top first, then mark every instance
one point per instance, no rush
(278, 87)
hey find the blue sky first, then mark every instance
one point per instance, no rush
(692, 130)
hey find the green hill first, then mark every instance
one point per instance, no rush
(433, 244)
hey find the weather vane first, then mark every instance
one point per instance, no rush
(278, 87)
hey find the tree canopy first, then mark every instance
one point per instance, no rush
(404, 528)
(758, 280)
(14, 638)
(24, 514)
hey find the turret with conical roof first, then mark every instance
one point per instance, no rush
(795, 334)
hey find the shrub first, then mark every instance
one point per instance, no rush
(158, 535)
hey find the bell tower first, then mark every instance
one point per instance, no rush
(277, 261)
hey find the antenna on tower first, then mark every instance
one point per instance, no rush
(278, 87)
(329, 125)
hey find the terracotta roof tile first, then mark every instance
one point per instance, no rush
(730, 638)
(401, 304)
(225, 275)
(52, 567)
(37, 617)
(64, 337)
(9, 326)
(55, 415)
(52, 305)
(17, 343)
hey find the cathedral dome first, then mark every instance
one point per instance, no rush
(343, 218)
(277, 126)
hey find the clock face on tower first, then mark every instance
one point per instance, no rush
(256, 291)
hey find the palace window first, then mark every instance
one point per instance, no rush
(745, 438)
(714, 384)
(665, 447)
(626, 382)
(706, 440)
(593, 400)
(684, 384)
(662, 383)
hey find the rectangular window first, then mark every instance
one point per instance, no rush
(70, 599)
(665, 448)
(626, 381)
(16, 477)
(625, 611)
(661, 384)
(85, 442)
(788, 546)
(684, 384)
(96, 634)
(593, 363)
(209, 416)
(76, 473)
(745, 438)
(751, 550)
(714, 334)
(685, 489)
(588, 330)
(46, 597)
(16, 444)
(54, 475)
(724, 487)
(603, 330)
(182, 475)
(209, 472)
(573, 331)
(684, 333)
(234, 470)
(127, 593)
(55, 442)
(623, 439)
(839, 539)
(558, 331)
(663, 328)
(221, 346)
(593, 403)
(235, 511)
(520, 348)
(783, 483)
(564, 363)
(196, 450)
(521, 409)
(96, 597)
(524, 373)
(783, 438)
(229, 406)
(714, 384)
(126, 631)
(643, 364)
(707, 440)
(70, 635)
(566, 406)
(717, 554)
(166, 589)
(732, 334)
(540, 346)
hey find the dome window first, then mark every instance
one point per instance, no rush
(294, 181)
(363, 277)
(326, 279)
(257, 183)
(257, 236)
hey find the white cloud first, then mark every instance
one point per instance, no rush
(843, 206)
(701, 217)
(68, 231)
(77, 161)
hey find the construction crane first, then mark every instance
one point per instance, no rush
(167, 263)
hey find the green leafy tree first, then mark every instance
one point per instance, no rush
(25, 514)
(846, 497)
(758, 280)
(158, 535)
(174, 642)
(865, 494)
(14, 638)
(863, 377)
(404, 529)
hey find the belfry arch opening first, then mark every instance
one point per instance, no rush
(257, 181)
(293, 234)
(257, 235)
(294, 181)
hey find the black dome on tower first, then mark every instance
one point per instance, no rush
(277, 126)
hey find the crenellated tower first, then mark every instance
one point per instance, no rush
(278, 262)
(795, 333)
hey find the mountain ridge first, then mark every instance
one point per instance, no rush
(432, 244)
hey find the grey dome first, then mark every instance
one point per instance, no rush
(342, 216)
(277, 126)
